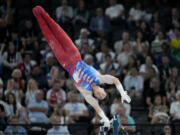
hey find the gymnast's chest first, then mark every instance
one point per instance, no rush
(82, 76)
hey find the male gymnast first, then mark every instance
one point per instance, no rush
(85, 77)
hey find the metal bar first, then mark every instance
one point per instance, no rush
(115, 127)
(101, 130)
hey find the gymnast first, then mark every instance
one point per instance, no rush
(85, 77)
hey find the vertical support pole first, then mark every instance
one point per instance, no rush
(115, 125)
(101, 130)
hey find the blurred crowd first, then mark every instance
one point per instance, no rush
(136, 41)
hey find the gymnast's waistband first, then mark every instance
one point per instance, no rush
(71, 69)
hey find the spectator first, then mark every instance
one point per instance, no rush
(17, 76)
(157, 27)
(171, 91)
(175, 16)
(11, 59)
(64, 14)
(145, 30)
(1, 67)
(157, 45)
(7, 19)
(1, 86)
(123, 118)
(165, 68)
(14, 37)
(12, 87)
(3, 103)
(36, 52)
(139, 42)
(81, 16)
(132, 62)
(84, 43)
(15, 129)
(26, 65)
(174, 77)
(115, 12)
(171, 33)
(156, 17)
(38, 109)
(123, 57)
(31, 92)
(175, 107)
(167, 130)
(2, 117)
(26, 45)
(38, 76)
(105, 50)
(143, 53)
(12, 105)
(104, 105)
(108, 65)
(49, 62)
(62, 115)
(118, 104)
(155, 90)
(69, 85)
(89, 59)
(76, 109)
(175, 45)
(118, 45)
(127, 129)
(136, 14)
(46, 50)
(28, 32)
(54, 75)
(56, 96)
(28, 38)
(72, 90)
(158, 113)
(100, 25)
(23, 116)
(145, 68)
(166, 51)
(134, 83)
(57, 129)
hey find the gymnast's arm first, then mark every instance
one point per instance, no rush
(94, 103)
(109, 79)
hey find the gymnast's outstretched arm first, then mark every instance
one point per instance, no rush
(94, 103)
(109, 79)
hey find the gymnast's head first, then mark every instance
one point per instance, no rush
(99, 92)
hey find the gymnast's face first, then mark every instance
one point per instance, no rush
(99, 92)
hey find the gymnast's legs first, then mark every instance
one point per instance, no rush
(64, 49)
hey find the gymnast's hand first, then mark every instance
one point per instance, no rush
(106, 123)
(98, 92)
(125, 97)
